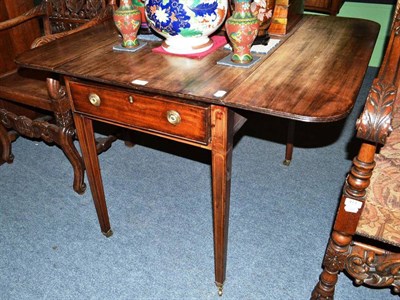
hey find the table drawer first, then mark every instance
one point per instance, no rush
(157, 114)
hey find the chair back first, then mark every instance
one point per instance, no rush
(69, 14)
(56, 15)
(16, 40)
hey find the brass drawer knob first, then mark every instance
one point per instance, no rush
(173, 117)
(94, 99)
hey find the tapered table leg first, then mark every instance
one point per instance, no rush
(84, 129)
(222, 143)
(289, 143)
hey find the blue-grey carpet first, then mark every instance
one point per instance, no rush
(159, 201)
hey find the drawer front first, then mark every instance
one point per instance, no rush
(156, 114)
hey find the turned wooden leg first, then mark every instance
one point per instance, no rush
(84, 129)
(334, 262)
(5, 146)
(222, 137)
(346, 221)
(289, 143)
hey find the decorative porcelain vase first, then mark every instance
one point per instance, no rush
(263, 11)
(144, 27)
(186, 24)
(242, 29)
(128, 19)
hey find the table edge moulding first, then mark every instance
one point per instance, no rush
(314, 75)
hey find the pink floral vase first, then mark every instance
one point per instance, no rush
(128, 19)
(242, 29)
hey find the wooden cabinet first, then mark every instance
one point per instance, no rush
(331, 7)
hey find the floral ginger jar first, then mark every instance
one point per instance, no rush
(186, 24)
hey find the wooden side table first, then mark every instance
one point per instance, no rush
(314, 75)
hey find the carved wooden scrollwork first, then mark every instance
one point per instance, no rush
(55, 90)
(316, 295)
(74, 6)
(92, 8)
(334, 262)
(30, 128)
(335, 257)
(374, 269)
(49, 133)
(396, 19)
(103, 15)
(374, 123)
(68, 14)
(60, 103)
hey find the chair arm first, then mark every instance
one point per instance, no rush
(37, 11)
(375, 122)
(104, 15)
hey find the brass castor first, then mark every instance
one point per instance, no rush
(286, 162)
(220, 289)
(108, 233)
(10, 159)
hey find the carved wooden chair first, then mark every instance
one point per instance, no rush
(33, 103)
(365, 241)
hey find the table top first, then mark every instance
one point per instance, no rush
(314, 75)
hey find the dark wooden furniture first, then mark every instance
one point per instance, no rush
(331, 7)
(313, 76)
(10, 47)
(365, 241)
(34, 103)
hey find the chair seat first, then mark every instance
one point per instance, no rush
(26, 87)
(380, 218)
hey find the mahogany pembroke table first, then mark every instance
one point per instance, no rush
(314, 75)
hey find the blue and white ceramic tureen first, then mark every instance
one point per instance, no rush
(186, 24)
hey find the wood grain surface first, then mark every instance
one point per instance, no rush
(314, 74)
